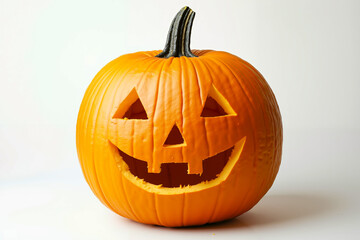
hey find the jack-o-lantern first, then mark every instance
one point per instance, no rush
(179, 137)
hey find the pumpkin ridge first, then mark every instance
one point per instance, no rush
(119, 80)
(200, 96)
(150, 65)
(265, 87)
(264, 108)
(181, 88)
(161, 72)
(80, 120)
(95, 91)
(100, 94)
(250, 102)
(212, 82)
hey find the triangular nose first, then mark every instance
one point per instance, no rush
(174, 137)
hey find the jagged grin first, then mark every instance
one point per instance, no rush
(174, 175)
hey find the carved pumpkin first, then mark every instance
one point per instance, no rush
(179, 137)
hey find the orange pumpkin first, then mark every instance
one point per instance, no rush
(179, 137)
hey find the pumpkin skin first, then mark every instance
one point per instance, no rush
(173, 92)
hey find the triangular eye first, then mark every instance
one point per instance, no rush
(131, 108)
(216, 105)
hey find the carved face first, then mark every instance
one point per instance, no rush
(164, 139)
(179, 141)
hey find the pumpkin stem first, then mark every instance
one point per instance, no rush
(178, 38)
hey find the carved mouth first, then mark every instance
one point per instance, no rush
(175, 174)
(173, 178)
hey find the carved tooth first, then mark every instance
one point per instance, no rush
(154, 167)
(195, 167)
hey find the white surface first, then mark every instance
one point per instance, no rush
(308, 51)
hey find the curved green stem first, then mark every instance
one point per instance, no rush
(178, 38)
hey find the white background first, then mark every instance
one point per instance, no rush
(309, 52)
